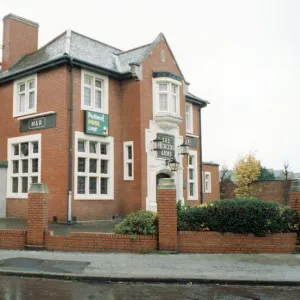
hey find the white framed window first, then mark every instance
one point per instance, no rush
(166, 95)
(94, 163)
(192, 176)
(128, 161)
(189, 117)
(25, 96)
(207, 182)
(94, 92)
(24, 164)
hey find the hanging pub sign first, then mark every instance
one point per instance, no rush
(95, 123)
(38, 123)
(167, 150)
(191, 141)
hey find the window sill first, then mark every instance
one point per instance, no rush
(33, 115)
(101, 111)
(16, 196)
(26, 114)
(93, 197)
(167, 120)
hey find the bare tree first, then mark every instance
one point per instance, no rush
(224, 171)
(286, 183)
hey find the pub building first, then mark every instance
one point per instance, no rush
(100, 126)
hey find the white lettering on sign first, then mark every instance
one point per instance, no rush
(92, 128)
(166, 153)
(37, 123)
(95, 116)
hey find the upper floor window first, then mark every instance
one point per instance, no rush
(94, 95)
(128, 161)
(189, 117)
(25, 96)
(207, 182)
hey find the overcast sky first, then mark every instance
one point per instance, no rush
(242, 56)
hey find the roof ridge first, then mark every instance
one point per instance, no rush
(133, 49)
(54, 39)
(95, 40)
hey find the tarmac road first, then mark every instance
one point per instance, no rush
(18, 288)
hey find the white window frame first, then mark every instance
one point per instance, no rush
(10, 156)
(128, 161)
(194, 154)
(110, 172)
(17, 83)
(104, 89)
(207, 190)
(189, 115)
(169, 82)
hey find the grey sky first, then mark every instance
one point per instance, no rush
(242, 56)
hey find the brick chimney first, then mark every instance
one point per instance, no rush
(20, 37)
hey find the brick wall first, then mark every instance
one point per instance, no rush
(214, 242)
(12, 239)
(215, 182)
(270, 191)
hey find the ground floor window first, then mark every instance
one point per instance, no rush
(93, 167)
(207, 182)
(24, 164)
(192, 176)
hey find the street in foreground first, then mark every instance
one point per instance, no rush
(17, 288)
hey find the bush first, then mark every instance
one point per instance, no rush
(140, 222)
(239, 216)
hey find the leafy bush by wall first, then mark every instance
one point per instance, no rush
(140, 222)
(239, 216)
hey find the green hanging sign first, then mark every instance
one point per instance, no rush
(96, 123)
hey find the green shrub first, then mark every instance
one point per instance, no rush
(239, 216)
(140, 222)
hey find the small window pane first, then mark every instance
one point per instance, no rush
(35, 165)
(15, 185)
(98, 84)
(163, 102)
(191, 174)
(98, 97)
(174, 104)
(104, 165)
(163, 87)
(93, 146)
(104, 149)
(16, 149)
(24, 149)
(130, 169)
(81, 147)
(25, 166)
(129, 151)
(93, 185)
(190, 160)
(35, 147)
(32, 84)
(174, 89)
(34, 179)
(81, 185)
(191, 189)
(104, 186)
(15, 166)
(87, 80)
(93, 165)
(87, 96)
(81, 164)
(22, 103)
(24, 184)
(22, 87)
(31, 100)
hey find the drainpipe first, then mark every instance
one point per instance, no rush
(70, 143)
(201, 163)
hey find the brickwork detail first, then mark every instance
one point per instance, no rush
(295, 201)
(12, 239)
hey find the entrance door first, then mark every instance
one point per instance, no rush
(160, 176)
(2, 192)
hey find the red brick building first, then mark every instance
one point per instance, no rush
(81, 117)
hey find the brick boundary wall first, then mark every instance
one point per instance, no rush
(101, 242)
(215, 242)
(12, 239)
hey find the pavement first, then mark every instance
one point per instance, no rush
(264, 269)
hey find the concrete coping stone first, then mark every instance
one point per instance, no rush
(38, 188)
(295, 185)
(166, 184)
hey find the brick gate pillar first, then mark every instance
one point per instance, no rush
(37, 220)
(167, 215)
(295, 196)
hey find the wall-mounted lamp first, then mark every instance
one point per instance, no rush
(184, 148)
(173, 163)
(157, 144)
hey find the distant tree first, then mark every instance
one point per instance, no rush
(247, 170)
(225, 176)
(266, 174)
(286, 186)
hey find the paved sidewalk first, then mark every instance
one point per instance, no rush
(224, 268)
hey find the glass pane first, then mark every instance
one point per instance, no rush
(190, 160)
(87, 80)
(16, 149)
(31, 84)
(81, 164)
(129, 151)
(98, 83)
(130, 169)
(35, 147)
(163, 87)
(98, 97)
(93, 147)
(15, 166)
(25, 166)
(22, 103)
(81, 185)
(174, 89)
(191, 174)
(15, 185)
(187, 119)
(22, 87)
(81, 147)
(93, 165)
(24, 184)
(104, 165)
(174, 102)
(104, 185)
(163, 102)
(31, 100)
(24, 149)
(34, 179)
(191, 189)
(35, 165)
(103, 148)
(93, 185)
(87, 96)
